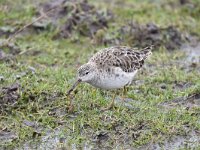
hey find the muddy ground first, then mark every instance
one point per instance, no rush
(162, 107)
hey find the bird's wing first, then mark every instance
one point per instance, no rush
(124, 57)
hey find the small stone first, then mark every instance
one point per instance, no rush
(19, 76)
(1, 78)
(32, 69)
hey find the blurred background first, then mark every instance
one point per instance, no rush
(42, 43)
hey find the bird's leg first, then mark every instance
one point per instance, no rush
(94, 91)
(111, 104)
(124, 93)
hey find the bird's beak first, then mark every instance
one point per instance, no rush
(74, 86)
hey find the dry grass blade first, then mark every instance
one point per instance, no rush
(45, 14)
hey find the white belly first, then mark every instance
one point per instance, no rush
(116, 80)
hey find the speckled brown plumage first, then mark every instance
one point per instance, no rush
(113, 67)
(126, 58)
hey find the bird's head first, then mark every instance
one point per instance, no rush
(86, 72)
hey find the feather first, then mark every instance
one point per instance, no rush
(128, 59)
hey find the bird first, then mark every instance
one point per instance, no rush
(112, 68)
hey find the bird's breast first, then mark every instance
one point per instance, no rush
(114, 80)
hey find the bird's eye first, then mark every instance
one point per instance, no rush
(87, 73)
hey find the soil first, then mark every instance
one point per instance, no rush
(8, 51)
(6, 31)
(79, 17)
(139, 35)
(9, 96)
(188, 102)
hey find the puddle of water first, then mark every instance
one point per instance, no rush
(193, 53)
(48, 142)
(127, 102)
(6, 136)
(190, 141)
(56, 140)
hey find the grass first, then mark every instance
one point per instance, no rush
(42, 95)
